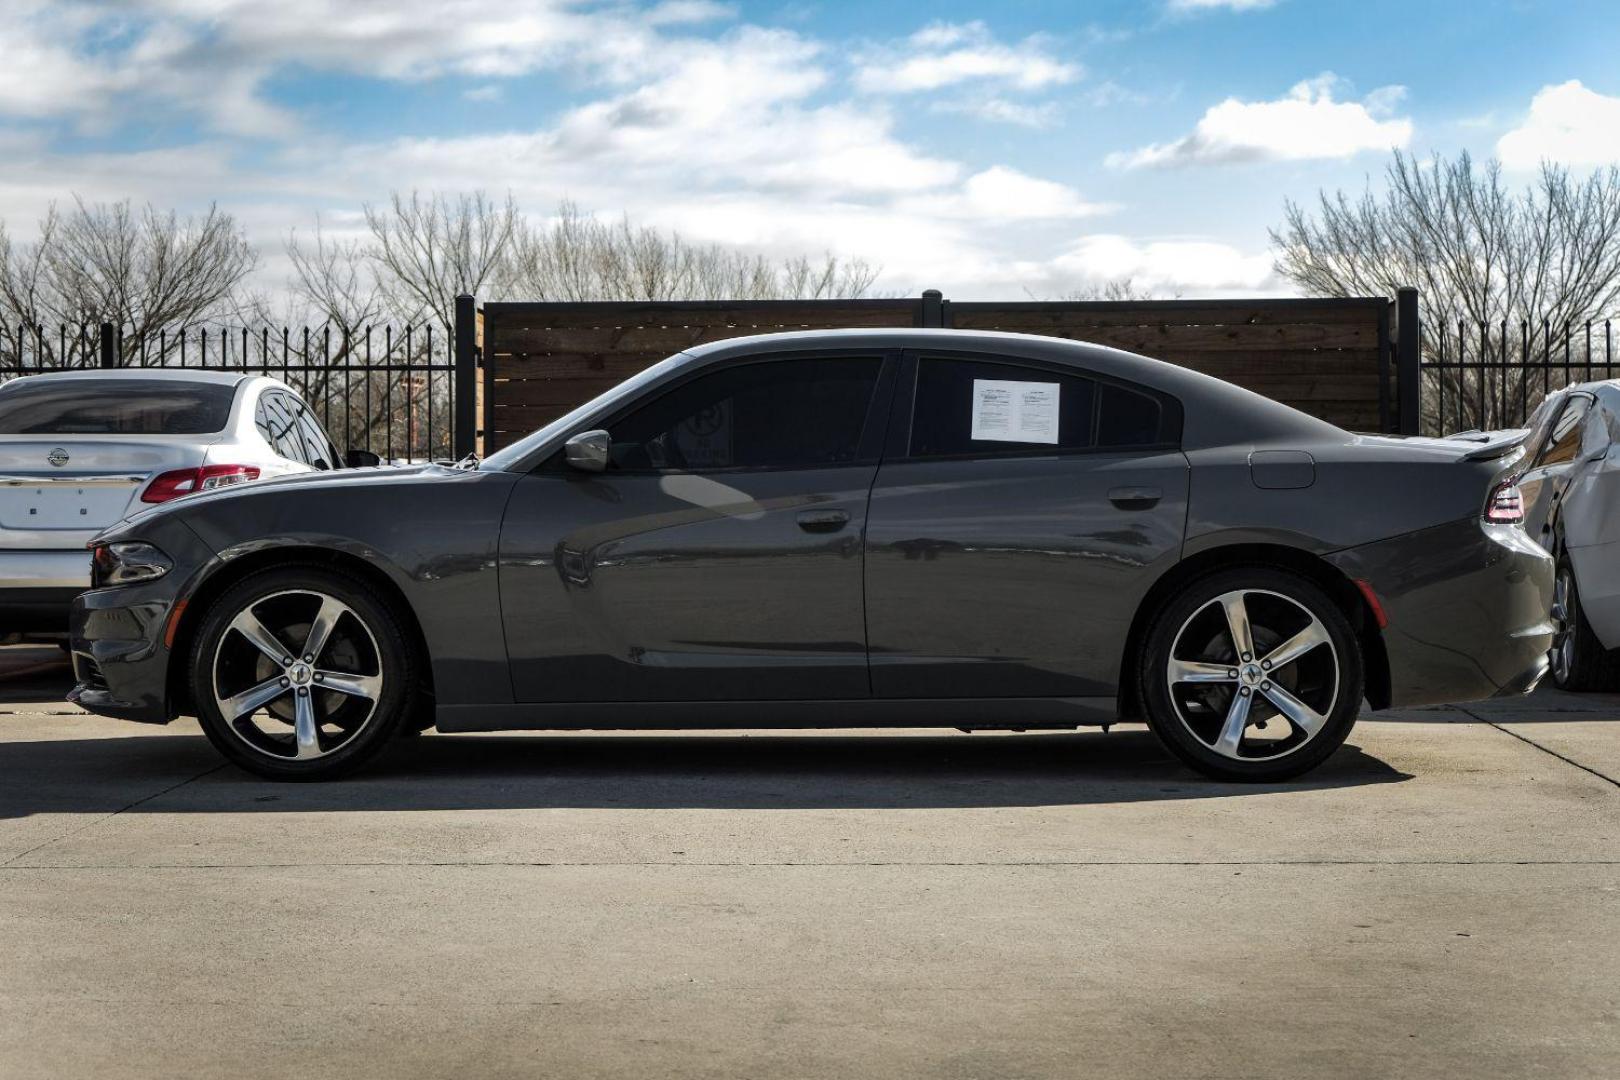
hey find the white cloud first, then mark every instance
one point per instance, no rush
(1568, 124)
(95, 59)
(997, 110)
(949, 54)
(1306, 124)
(1169, 265)
(485, 93)
(1003, 194)
(1190, 6)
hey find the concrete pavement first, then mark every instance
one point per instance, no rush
(1440, 899)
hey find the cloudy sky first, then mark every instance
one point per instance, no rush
(990, 150)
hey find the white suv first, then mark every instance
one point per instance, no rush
(80, 450)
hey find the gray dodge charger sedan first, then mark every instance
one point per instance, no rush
(906, 527)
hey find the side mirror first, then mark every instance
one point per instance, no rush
(361, 459)
(588, 451)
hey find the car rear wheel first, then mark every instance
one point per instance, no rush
(1579, 660)
(300, 673)
(1251, 674)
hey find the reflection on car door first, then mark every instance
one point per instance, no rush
(1543, 484)
(718, 558)
(1015, 527)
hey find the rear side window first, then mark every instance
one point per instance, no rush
(317, 447)
(977, 407)
(775, 414)
(1128, 418)
(275, 421)
(113, 406)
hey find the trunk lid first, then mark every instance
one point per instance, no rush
(59, 491)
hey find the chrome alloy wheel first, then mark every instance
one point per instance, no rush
(1247, 658)
(1564, 615)
(297, 658)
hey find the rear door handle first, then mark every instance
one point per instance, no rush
(1135, 498)
(823, 520)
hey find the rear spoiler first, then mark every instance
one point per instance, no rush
(1500, 445)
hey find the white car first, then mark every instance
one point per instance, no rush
(80, 450)
(1570, 484)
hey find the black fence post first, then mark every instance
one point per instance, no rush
(932, 312)
(109, 346)
(1408, 370)
(466, 375)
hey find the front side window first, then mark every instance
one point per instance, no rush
(777, 414)
(114, 406)
(1564, 441)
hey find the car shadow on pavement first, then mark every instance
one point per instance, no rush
(716, 770)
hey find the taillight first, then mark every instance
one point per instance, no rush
(1506, 504)
(172, 485)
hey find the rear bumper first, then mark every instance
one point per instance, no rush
(36, 588)
(1468, 606)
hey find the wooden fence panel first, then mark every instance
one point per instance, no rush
(1327, 357)
(1320, 356)
(544, 359)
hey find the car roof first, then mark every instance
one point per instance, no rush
(192, 375)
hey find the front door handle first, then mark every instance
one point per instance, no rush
(823, 520)
(1135, 498)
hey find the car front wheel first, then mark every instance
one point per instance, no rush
(1251, 674)
(301, 673)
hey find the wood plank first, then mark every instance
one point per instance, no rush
(576, 365)
(1039, 319)
(1147, 340)
(567, 392)
(705, 313)
(1241, 337)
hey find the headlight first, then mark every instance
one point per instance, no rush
(125, 563)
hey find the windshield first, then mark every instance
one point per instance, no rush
(509, 456)
(113, 406)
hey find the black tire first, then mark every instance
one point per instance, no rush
(1579, 661)
(1286, 607)
(377, 640)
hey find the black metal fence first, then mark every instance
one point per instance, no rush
(1489, 376)
(392, 390)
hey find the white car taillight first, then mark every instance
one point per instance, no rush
(172, 485)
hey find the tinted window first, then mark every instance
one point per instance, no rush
(280, 426)
(317, 447)
(977, 407)
(778, 414)
(113, 407)
(1565, 439)
(1127, 418)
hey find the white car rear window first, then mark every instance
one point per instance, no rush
(113, 407)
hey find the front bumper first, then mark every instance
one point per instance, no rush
(1469, 610)
(119, 635)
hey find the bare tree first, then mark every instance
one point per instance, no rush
(576, 257)
(428, 250)
(142, 270)
(1475, 248)
(1503, 273)
(1116, 289)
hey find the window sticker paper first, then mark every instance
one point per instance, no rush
(1021, 412)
